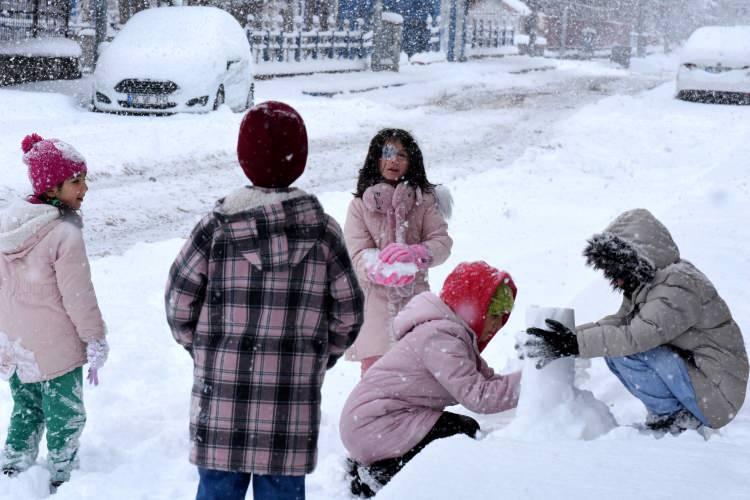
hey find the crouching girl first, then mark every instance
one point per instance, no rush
(399, 405)
(673, 343)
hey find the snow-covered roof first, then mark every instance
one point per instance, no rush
(510, 8)
(393, 18)
(42, 47)
(518, 6)
(729, 45)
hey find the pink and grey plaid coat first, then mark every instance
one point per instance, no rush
(264, 296)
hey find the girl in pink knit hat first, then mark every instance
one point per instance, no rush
(50, 323)
(395, 231)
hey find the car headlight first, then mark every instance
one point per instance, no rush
(690, 65)
(102, 98)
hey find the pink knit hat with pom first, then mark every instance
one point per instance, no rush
(50, 161)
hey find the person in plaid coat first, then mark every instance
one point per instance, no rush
(264, 297)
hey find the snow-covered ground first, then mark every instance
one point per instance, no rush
(528, 212)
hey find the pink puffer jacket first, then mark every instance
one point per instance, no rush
(436, 363)
(48, 308)
(378, 218)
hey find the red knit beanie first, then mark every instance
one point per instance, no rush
(50, 161)
(272, 145)
(468, 290)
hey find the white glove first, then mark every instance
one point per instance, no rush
(96, 353)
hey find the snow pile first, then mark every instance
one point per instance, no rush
(427, 57)
(44, 47)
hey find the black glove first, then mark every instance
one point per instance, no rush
(549, 345)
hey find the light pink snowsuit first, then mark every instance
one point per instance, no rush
(435, 363)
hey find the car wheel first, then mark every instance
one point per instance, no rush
(219, 97)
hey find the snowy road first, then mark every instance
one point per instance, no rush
(527, 114)
(460, 122)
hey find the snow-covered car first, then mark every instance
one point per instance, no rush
(715, 65)
(175, 59)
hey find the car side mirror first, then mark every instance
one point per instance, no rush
(229, 63)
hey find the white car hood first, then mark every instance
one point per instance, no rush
(710, 45)
(188, 69)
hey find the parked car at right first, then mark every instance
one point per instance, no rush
(715, 65)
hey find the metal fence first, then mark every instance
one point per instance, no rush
(433, 25)
(24, 19)
(274, 45)
(488, 36)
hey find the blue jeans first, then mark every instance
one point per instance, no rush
(223, 485)
(659, 378)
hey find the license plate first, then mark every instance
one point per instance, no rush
(146, 99)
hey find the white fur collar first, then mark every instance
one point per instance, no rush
(20, 221)
(444, 201)
(250, 197)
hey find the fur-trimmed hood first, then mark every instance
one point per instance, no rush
(23, 224)
(632, 248)
(250, 197)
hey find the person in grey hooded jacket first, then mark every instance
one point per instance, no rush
(673, 342)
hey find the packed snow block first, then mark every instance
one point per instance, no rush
(550, 406)
(19, 69)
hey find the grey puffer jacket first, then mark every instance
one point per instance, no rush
(679, 307)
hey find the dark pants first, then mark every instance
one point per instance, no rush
(382, 471)
(223, 485)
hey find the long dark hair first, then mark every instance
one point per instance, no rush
(369, 174)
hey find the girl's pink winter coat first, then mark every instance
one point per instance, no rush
(48, 308)
(369, 230)
(436, 363)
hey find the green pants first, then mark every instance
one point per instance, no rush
(56, 404)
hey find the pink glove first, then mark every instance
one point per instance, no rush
(422, 257)
(376, 275)
(93, 376)
(407, 254)
(396, 252)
